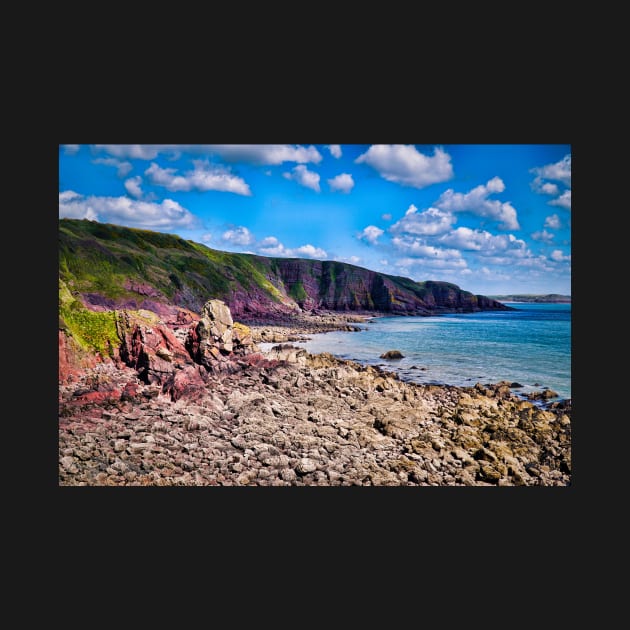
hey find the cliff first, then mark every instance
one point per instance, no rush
(113, 267)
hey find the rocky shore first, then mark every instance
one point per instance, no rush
(299, 326)
(201, 405)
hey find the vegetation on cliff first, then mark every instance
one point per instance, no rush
(112, 266)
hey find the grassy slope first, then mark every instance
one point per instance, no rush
(102, 258)
(108, 259)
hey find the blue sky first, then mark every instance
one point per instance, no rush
(492, 219)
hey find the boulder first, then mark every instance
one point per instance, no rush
(392, 354)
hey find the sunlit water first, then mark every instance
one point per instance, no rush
(530, 345)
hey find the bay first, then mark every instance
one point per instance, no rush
(530, 345)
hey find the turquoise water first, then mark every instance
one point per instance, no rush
(530, 345)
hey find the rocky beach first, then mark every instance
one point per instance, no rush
(190, 399)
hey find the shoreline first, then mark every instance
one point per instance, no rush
(301, 420)
(298, 330)
(291, 418)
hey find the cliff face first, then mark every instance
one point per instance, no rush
(113, 267)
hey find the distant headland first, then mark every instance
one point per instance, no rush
(527, 297)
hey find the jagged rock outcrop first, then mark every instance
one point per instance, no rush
(215, 339)
(175, 356)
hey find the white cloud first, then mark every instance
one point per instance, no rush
(123, 168)
(416, 247)
(252, 153)
(370, 234)
(269, 241)
(266, 153)
(134, 151)
(132, 186)
(310, 252)
(71, 149)
(386, 217)
(203, 177)
(476, 201)
(552, 221)
(335, 150)
(560, 171)
(544, 236)
(124, 211)
(483, 241)
(238, 236)
(435, 262)
(430, 222)
(304, 177)
(558, 256)
(384, 262)
(404, 164)
(342, 182)
(271, 246)
(564, 200)
(206, 238)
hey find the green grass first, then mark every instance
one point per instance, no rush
(297, 292)
(94, 331)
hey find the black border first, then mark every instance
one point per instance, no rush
(448, 525)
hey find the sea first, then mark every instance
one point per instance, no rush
(530, 345)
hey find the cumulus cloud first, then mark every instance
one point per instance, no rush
(415, 247)
(404, 164)
(266, 153)
(238, 236)
(560, 171)
(132, 186)
(271, 246)
(544, 236)
(428, 223)
(123, 168)
(546, 188)
(133, 151)
(310, 251)
(251, 153)
(484, 242)
(552, 221)
(370, 234)
(343, 183)
(335, 150)
(476, 202)
(125, 211)
(71, 149)
(203, 177)
(564, 200)
(206, 238)
(558, 256)
(386, 217)
(304, 177)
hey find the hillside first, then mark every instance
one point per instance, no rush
(534, 298)
(108, 267)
